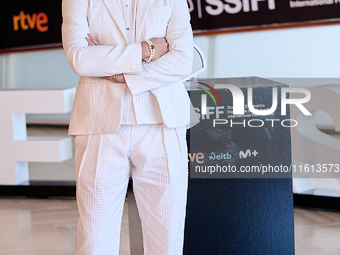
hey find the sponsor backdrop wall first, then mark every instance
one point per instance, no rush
(305, 52)
(231, 14)
(37, 22)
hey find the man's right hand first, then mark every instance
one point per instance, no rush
(161, 47)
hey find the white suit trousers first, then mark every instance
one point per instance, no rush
(157, 158)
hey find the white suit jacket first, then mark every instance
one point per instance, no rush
(98, 102)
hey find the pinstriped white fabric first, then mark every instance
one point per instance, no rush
(107, 151)
(143, 109)
(93, 111)
(157, 159)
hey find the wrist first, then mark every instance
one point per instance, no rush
(120, 78)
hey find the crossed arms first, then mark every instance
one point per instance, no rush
(107, 60)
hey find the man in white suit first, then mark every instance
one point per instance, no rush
(130, 113)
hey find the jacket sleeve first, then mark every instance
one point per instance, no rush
(175, 64)
(95, 61)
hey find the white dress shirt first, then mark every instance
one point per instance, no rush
(142, 108)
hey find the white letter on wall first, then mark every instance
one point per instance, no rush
(16, 150)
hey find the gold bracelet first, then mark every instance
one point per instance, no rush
(151, 49)
(114, 78)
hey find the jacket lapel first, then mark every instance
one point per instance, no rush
(116, 12)
(142, 12)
